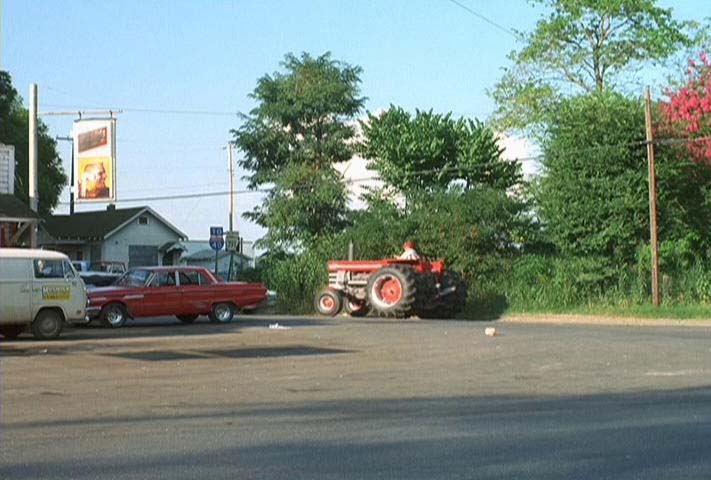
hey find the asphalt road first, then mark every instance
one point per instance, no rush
(358, 399)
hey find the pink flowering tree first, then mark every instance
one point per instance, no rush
(687, 113)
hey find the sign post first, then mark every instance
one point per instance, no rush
(217, 241)
(232, 241)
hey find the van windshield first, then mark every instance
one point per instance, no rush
(133, 278)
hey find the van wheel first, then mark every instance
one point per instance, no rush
(11, 331)
(113, 315)
(47, 325)
(222, 313)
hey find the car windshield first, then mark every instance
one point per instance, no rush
(133, 278)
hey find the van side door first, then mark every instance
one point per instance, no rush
(15, 290)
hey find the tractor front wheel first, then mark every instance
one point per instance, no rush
(328, 302)
(391, 291)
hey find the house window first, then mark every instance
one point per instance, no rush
(143, 220)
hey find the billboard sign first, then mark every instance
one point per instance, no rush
(95, 160)
(7, 169)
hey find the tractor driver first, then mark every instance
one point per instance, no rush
(410, 253)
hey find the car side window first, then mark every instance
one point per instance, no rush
(204, 280)
(68, 270)
(164, 279)
(189, 278)
(48, 269)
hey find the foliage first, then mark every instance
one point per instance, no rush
(305, 204)
(687, 113)
(582, 46)
(592, 197)
(14, 130)
(292, 139)
(429, 151)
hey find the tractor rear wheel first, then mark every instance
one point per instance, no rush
(328, 302)
(391, 291)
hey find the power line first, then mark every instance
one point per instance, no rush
(484, 18)
(147, 110)
(352, 181)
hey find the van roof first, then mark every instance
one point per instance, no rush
(31, 253)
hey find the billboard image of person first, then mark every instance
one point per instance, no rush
(95, 179)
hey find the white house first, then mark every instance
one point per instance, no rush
(130, 235)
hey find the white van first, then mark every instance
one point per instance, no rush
(39, 288)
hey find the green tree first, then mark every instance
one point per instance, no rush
(593, 195)
(14, 127)
(582, 46)
(291, 141)
(429, 151)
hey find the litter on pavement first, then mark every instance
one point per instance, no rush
(276, 326)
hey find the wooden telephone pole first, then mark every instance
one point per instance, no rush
(652, 198)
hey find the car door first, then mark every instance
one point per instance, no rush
(15, 290)
(195, 297)
(161, 296)
(55, 284)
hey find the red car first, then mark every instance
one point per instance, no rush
(186, 292)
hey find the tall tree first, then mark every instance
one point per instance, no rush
(429, 151)
(593, 198)
(300, 128)
(582, 46)
(14, 130)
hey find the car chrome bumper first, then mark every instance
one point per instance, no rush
(92, 312)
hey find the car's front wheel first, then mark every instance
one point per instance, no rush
(222, 313)
(113, 315)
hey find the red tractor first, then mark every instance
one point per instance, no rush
(392, 288)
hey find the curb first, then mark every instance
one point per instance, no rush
(604, 320)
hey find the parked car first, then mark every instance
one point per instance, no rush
(186, 292)
(99, 274)
(39, 289)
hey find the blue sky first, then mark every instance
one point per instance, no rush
(207, 55)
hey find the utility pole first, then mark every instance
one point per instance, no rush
(232, 204)
(652, 198)
(71, 184)
(32, 153)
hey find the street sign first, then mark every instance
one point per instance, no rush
(232, 241)
(217, 240)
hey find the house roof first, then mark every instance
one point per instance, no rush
(209, 254)
(14, 209)
(96, 225)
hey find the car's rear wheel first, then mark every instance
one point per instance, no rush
(12, 331)
(114, 315)
(47, 325)
(222, 313)
(187, 318)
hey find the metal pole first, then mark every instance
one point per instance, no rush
(33, 180)
(652, 198)
(350, 250)
(232, 204)
(71, 185)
